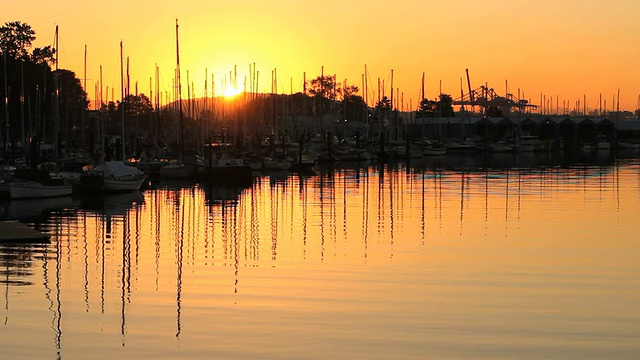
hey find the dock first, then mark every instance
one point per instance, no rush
(12, 232)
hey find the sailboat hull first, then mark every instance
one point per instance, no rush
(132, 183)
(35, 190)
(178, 171)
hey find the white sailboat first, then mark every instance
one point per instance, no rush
(38, 184)
(113, 176)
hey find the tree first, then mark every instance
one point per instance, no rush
(383, 107)
(445, 106)
(44, 55)
(349, 91)
(325, 90)
(16, 38)
(324, 87)
(426, 109)
(72, 101)
(353, 105)
(138, 107)
(436, 108)
(34, 102)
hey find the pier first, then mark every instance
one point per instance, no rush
(17, 232)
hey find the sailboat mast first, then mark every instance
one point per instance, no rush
(391, 99)
(5, 99)
(101, 120)
(84, 86)
(56, 104)
(422, 88)
(122, 100)
(24, 136)
(179, 94)
(158, 100)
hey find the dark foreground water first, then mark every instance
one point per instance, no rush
(474, 260)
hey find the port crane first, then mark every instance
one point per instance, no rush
(485, 98)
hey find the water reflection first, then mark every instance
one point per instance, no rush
(34, 210)
(360, 246)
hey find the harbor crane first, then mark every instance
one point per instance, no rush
(486, 98)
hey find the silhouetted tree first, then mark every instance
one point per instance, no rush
(138, 107)
(29, 73)
(16, 38)
(493, 111)
(426, 109)
(353, 105)
(445, 106)
(383, 107)
(436, 108)
(325, 87)
(43, 56)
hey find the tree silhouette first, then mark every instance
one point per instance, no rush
(436, 108)
(45, 55)
(383, 107)
(16, 38)
(31, 96)
(325, 87)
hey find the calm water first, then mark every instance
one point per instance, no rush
(421, 261)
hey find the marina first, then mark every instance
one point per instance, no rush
(407, 260)
(273, 180)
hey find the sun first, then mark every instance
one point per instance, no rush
(232, 91)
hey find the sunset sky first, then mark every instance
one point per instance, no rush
(565, 50)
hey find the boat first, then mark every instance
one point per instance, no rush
(527, 143)
(430, 150)
(220, 166)
(278, 162)
(500, 147)
(305, 163)
(601, 143)
(5, 178)
(34, 184)
(413, 152)
(348, 153)
(177, 170)
(467, 147)
(628, 146)
(431, 147)
(113, 176)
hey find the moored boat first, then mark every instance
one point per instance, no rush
(177, 170)
(220, 166)
(113, 176)
(34, 184)
(276, 163)
(432, 147)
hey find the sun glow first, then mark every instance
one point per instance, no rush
(232, 91)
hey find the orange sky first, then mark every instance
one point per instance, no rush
(562, 49)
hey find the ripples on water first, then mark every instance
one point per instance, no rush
(356, 261)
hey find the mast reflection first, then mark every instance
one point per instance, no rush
(354, 214)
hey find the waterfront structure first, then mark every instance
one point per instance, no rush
(571, 132)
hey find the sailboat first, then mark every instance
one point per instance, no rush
(112, 176)
(222, 167)
(178, 169)
(32, 184)
(40, 182)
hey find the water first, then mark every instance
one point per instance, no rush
(421, 261)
